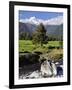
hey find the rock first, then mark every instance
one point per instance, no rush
(46, 69)
(54, 69)
(35, 74)
(59, 62)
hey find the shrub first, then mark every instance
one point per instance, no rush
(55, 54)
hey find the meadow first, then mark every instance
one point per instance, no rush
(51, 50)
(27, 45)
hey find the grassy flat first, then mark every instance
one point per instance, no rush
(27, 45)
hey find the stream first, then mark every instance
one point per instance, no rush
(37, 69)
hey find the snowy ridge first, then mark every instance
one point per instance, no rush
(53, 21)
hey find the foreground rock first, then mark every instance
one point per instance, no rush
(46, 69)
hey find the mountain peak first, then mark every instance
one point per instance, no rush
(53, 21)
(33, 18)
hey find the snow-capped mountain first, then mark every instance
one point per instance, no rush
(53, 26)
(53, 21)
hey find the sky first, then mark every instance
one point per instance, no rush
(38, 14)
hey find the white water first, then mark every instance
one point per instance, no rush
(46, 70)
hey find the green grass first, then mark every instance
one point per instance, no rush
(27, 45)
(52, 43)
(49, 50)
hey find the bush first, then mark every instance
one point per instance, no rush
(55, 54)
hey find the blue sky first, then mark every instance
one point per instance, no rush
(37, 14)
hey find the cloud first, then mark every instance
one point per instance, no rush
(53, 21)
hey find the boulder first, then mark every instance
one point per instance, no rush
(46, 69)
(54, 69)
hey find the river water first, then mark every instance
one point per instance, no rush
(39, 70)
(33, 71)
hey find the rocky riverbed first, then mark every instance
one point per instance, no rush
(36, 66)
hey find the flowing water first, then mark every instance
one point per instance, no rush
(34, 71)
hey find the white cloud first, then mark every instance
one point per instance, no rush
(53, 21)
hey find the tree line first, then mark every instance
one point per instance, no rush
(40, 36)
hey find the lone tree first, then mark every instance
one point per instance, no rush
(39, 36)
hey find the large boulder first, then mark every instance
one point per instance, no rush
(46, 69)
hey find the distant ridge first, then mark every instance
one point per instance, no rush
(53, 26)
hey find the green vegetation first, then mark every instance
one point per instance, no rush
(49, 46)
(49, 50)
(27, 45)
(55, 54)
(39, 36)
(24, 36)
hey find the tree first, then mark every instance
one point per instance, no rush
(25, 36)
(39, 36)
